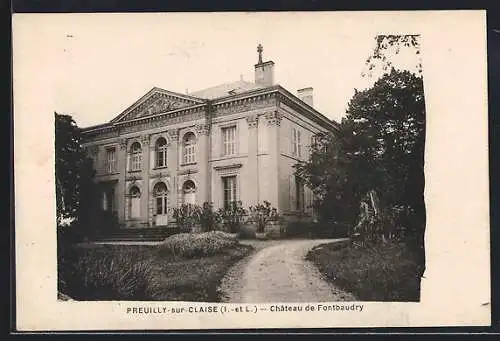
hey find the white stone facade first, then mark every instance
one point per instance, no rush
(170, 148)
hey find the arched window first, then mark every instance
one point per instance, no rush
(189, 142)
(161, 152)
(189, 192)
(160, 194)
(134, 203)
(135, 156)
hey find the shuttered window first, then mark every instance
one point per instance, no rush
(296, 142)
(229, 141)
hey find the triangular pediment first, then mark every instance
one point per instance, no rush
(156, 101)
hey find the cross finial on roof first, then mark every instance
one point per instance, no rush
(259, 50)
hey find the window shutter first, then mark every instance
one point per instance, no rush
(293, 199)
(236, 141)
(299, 145)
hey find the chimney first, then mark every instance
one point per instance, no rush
(264, 71)
(306, 95)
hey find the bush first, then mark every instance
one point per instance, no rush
(208, 218)
(261, 214)
(233, 216)
(189, 245)
(105, 275)
(186, 216)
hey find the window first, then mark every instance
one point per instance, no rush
(189, 192)
(161, 152)
(134, 203)
(229, 141)
(160, 194)
(108, 194)
(104, 201)
(111, 160)
(299, 194)
(135, 157)
(189, 144)
(229, 190)
(296, 143)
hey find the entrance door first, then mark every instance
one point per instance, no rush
(160, 194)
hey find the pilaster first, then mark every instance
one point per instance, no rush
(145, 178)
(121, 188)
(173, 159)
(202, 153)
(252, 168)
(273, 119)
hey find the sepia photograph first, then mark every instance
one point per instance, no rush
(229, 159)
(250, 189)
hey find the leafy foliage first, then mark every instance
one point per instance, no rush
(233, 216)
(208, 217)
(104, 275)
(262, 214)
(186, 216)
(378, 149)
(73, 170)
(385, 45)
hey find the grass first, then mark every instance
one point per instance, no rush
(375, 273)
(139, 272)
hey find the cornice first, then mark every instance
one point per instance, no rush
(294, 102)
(246, 101)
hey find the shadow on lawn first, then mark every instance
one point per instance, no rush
(378, 272)
(138, 272)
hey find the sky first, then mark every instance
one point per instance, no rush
(100, 64)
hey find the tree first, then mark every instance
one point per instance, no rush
(389, 46)
(73, 171)
(380, 148)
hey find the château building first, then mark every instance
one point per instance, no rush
(232, 142)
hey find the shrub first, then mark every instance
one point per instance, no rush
(262, 214)
(233, 216)
(189, 245)
(104, 275)
(208, 217)
(186, 216)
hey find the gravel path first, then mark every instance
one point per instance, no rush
(278, 272)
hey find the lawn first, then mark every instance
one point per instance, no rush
(387, 272)
(174, 271)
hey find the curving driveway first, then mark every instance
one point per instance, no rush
(279, 272)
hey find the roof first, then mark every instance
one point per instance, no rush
(226, 89)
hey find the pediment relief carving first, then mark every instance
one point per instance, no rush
(155, 103)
